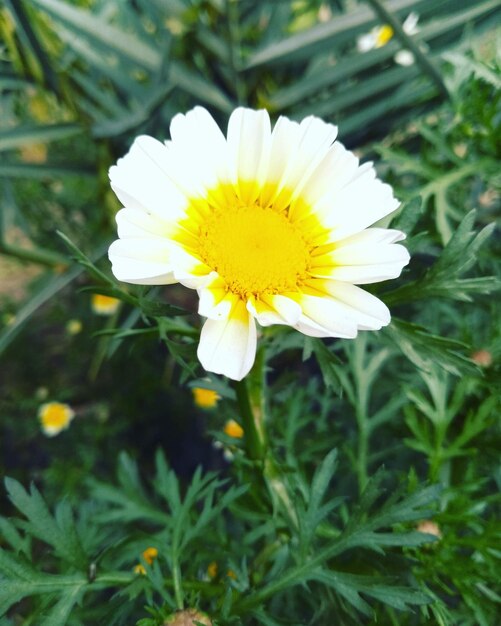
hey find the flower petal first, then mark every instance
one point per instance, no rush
(249, 140)
(142, 261)
(138, 224)
(367, 311)
(358, 260)
(214, 303)
(189, 270)
(141, 180)
(272, 309)
(228, 346)
(324, 317)
(296, 151)
(199, 148)
(359, 204)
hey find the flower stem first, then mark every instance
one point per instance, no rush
(176, 580)
(255, 441)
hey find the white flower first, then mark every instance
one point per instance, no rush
(379, 36)
(265, 225)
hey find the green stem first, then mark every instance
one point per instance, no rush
(421, 59)
(361, 398)
(252, 423)
(362, 451)
(34, 255)
(176, 581)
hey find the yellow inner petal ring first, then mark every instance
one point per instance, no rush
(255, 250)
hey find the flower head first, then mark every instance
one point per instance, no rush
(104, 305)
(205, 398)
(267, 226)
(55, 417)
(233, 429)
(379, 36)
(149, 555)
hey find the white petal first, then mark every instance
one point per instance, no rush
(371, 236)
(404, 58)
(142, 261)
(356, 206)
(249, 141)
(199, 146)
(142, 179)
(296, 151)
(315, 139)
(138, 224)
(337, 168)
(189, 270)
(369, 312)
(324, 317)
(214, 302)
(361, 263)
(410, 24)
(366, 42)
(274, 309)
(228, 346)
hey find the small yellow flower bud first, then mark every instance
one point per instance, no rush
(150, 554)
(104, 305)
(233, 429)
(205, 398)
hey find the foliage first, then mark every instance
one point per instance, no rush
(366, 439)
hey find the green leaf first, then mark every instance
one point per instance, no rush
(426, 350)
(21, 580)
(25, 135)
(443, 279)
(59, 532)
(60, 612)
(43, 170)
(98, 30)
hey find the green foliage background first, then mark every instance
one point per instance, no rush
(366, 438)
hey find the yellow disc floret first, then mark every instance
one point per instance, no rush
(255, 250)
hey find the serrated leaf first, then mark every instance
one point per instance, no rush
(58, 615)
(59, 532)
(22, 580)
(426, 350)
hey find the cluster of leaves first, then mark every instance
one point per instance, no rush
(64, 556)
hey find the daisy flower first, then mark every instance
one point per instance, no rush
(379, 36)
(267, 225)
(55, 417)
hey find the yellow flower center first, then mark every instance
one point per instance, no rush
(383, 35)
(255, 250)
(55, 415)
